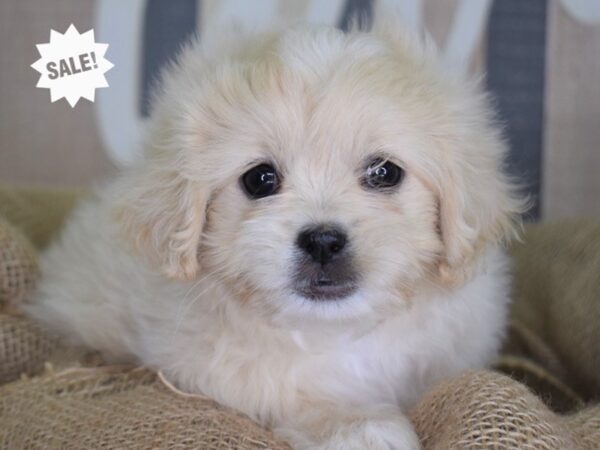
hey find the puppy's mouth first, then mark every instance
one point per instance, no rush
(333, 283)
(325, 289)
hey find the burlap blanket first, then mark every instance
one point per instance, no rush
(545, 399)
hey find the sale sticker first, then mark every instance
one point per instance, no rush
(72, 65)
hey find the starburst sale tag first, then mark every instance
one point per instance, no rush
(72, 65)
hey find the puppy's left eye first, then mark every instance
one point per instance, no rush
(382, 174)
(261, 181)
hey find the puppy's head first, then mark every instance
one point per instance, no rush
(321, 172)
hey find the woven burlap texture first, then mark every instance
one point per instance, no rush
(557, 301)
(24, 348)
(485, 410)
(118, 408)
(37, 212)
(131, 408)
(18, 265)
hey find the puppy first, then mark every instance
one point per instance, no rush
(312, 236)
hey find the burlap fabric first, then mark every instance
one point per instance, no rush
(486, 410)
(104, 408)
(119, 408)
(24, 348)
(29, 218)
(556, 309)
(37, 213)
(18, 265)
(125, 408)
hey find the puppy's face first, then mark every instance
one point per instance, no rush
(322, 211)
(321, 174)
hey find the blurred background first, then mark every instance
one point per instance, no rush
(541, 60)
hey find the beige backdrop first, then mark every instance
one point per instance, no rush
(43, 142)
(52, 144)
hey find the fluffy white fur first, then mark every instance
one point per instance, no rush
(171, 265)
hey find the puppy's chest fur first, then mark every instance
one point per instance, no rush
(254, 368)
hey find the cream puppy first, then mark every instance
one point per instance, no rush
(311, 236)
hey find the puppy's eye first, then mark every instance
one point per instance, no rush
(261, 181)
(382, 174)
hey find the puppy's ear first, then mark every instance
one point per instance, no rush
(478, 203)
(163, 214)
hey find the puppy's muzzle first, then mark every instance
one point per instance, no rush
(324, 266)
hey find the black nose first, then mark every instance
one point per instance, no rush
(322, 243)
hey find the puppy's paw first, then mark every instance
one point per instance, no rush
(388, 432)
(374, 435)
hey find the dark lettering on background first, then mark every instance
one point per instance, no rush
(71, 66)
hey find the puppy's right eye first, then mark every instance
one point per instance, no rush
(261, 181)
(382, 174)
